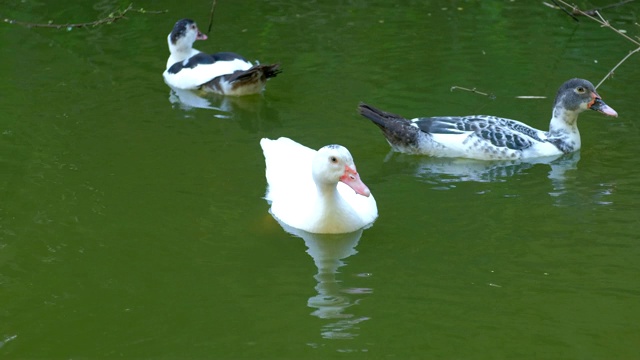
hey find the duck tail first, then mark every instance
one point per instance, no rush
(395, 128)
(255, 73)
(243, 82)
(271, 70)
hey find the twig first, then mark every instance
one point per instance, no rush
(213, 7)
(604, 23)
(565, 10)
(472, 90)
(600, 20)
(583, 12)
(113, 17)
(615, 67)
(593, 11)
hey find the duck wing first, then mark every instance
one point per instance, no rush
(227, 56)
(496, 131)
(201, 68)
(288, 168)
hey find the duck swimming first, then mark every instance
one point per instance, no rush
(316, 191)
(486, 137)
(224, 73)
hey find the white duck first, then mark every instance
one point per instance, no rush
(316, 191)
(223, 73)
(489, 137)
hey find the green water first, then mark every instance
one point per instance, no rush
(133, 226)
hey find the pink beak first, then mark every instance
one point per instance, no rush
(352, 179)
(201, 36)
(598, 105)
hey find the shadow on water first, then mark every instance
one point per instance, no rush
(333, 299)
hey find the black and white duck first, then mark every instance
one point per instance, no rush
(486, 137)
(223, 73)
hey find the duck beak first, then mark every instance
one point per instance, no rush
(598, 105)
(201, 36)
(352, 179)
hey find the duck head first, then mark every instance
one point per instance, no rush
(578, 95)
(185, 32)
(334, 163)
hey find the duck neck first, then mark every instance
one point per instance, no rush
(332, 208)
(179, 51)
(329, 196)
(563, 130)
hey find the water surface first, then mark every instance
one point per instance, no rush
(132, 225)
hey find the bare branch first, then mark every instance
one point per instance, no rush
(600, 20)
(595, 16)
(113, 17)
(565, 10)
(593, 11)
(213, 7)
(473, 91)
(610, 73)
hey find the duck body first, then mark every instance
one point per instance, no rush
(316, 191)
(486, 137)
(223, 73)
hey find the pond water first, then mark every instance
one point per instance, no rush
(132, 224)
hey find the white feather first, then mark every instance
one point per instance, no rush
(298, 202)
(192, 78)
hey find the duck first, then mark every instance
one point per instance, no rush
(317, 191)
(486, 137)
(224, 73)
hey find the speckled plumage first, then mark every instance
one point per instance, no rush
(487, 137)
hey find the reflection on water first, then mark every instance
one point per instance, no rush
(444, 173)
(558, 172)
(187, 100)
(252, 112)
(226, 105)
(453, 170)
(333, 299)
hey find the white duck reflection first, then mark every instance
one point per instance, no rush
(187, 100)
(333, 299)
(226, 105)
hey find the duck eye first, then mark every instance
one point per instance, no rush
(333, 159)
(580, 90)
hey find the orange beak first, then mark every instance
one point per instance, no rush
(352, 179)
